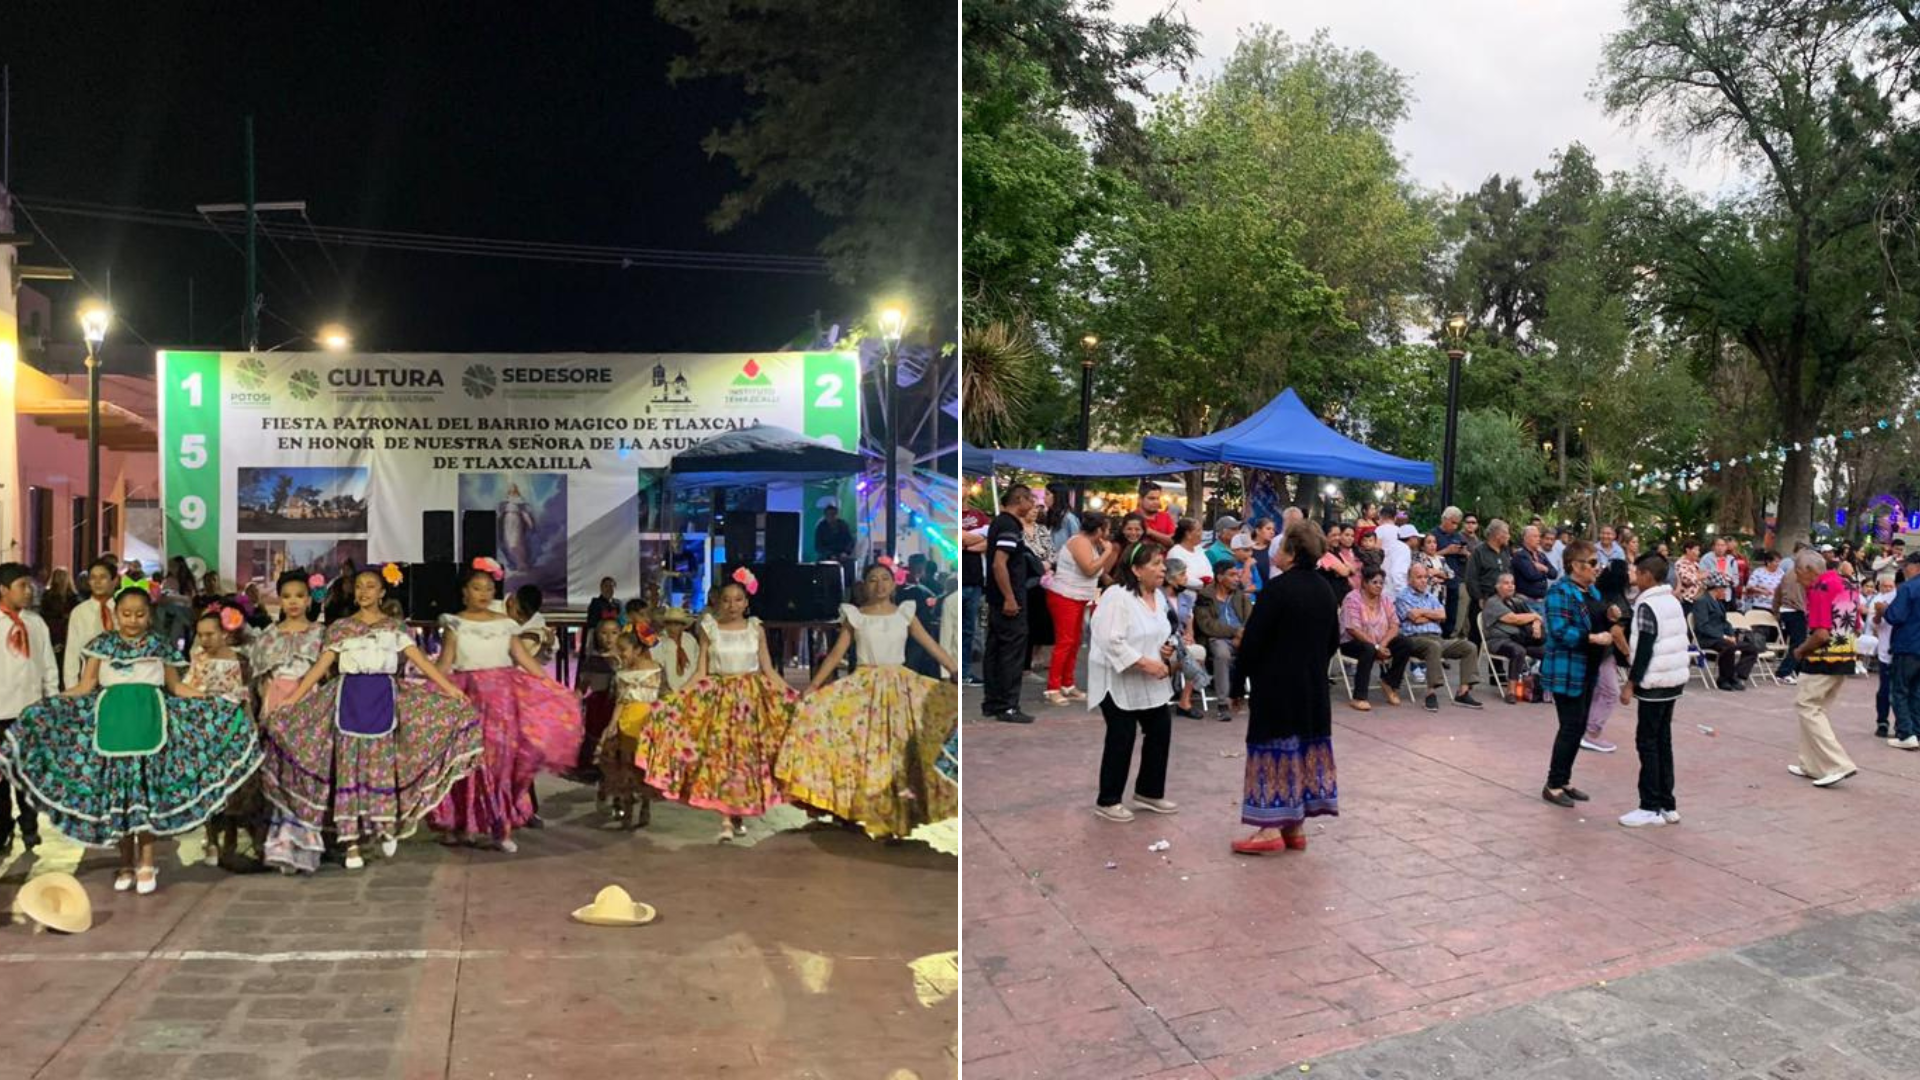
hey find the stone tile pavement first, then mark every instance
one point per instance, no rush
(1445, 893)
(783, 957)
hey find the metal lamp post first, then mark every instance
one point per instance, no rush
(892, 321)
(1456, 338)
(94, 318)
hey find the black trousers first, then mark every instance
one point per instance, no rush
(1365, 656)
(1794, 625)
(1737, 656)
(1653, 738)
(1572, 714)
(27, 820)
(1156, 730)
(1005, 660)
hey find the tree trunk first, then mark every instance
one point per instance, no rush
(1796, 490)
(1560, 449)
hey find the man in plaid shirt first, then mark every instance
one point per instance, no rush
(1575, 645)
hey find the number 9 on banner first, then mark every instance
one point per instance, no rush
(193, 512)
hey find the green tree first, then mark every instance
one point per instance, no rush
(1500, 470)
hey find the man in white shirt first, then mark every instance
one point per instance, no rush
(1287, 517)
(1556, 543)
(677, 653)
(91, 617)
(27, 674)
(1396, 556)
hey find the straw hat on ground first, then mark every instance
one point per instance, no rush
(613, 907)
(57, 902)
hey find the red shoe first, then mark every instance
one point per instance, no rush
(1258, 847)
(1297, 843)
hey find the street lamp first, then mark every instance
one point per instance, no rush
(893, 320)
(1456, 340)
(1087, 345)
(95, 316)
(334, 338)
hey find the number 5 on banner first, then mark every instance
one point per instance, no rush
(193, 451)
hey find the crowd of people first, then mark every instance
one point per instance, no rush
(316, 720)
(1267, 618)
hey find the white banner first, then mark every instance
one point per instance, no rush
(306, 459)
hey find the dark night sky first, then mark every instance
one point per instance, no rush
(530, 121)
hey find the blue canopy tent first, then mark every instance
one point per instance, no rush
(1072, 464)
(1286, 437)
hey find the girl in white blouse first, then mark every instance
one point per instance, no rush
(1129, 655)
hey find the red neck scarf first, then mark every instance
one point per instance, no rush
(106, 615)
(17, 636)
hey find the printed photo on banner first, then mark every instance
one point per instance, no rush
(265, 560)
(530, 519)
(303, 499)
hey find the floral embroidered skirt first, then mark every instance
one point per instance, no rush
(210, 750)
(713, 744)
(1288, 781)
(361, 786)
(529, 724)
(867, 749)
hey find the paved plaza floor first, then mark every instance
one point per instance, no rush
(1449, 923)
(786, 956)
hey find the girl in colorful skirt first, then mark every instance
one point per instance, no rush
(281, 657)
(713, 744)
(115, 762)
(219, 671)
(867, 748)
(529, 721)
(369, 754)
(637, 686)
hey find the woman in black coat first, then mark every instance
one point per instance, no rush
(1287, 644)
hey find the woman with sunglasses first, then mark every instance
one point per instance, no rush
(1575, 646)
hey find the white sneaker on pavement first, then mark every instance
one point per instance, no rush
(1640, 819)
(1672, 816)
(1908, 743)
(1833, 778)
(1598, 746)
(1116, 812)
(1158, 806)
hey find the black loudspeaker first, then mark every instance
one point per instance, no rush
(432, 589)
(798, 592)
(739, 532)
(436, 536)
(479, 536)
(783, 536)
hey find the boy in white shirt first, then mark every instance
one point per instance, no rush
(27, 674)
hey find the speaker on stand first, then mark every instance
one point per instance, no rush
(740, 532)
(436, 536)
(479, 536)
(783, 536)
(433, 590)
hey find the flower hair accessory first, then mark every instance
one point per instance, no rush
(391, 574)
(230, 618)
(746, 580)
(643, 632)
(490, 568)
(899, 575)
(316, 581)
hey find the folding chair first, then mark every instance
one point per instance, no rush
(1698, 657)
(1773, 645)
(1497, 673)
(1349, 667)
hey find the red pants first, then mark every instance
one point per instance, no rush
(1067, 616)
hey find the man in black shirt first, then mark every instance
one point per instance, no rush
(1009, 569)
(833, 541)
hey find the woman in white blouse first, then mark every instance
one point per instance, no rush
(1130, 648)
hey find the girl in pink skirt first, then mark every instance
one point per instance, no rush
(528, 721)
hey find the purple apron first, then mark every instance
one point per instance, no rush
(364, 708)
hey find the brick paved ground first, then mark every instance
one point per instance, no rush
(1446, 891)
(784, 957)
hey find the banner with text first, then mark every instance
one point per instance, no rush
(308, 459)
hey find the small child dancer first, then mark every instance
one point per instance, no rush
(637, 686)
(596, 686)
(281, 657)
(713, 744)
(220, 671)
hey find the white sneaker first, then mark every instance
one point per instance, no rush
(1790, 680)
(1833, 778)
(1116, 812)
(1797, 771)
(1908, 743)
(389, 847)
(1672, 816)
(1598, 746)
(1158, 806)
(1639, 819)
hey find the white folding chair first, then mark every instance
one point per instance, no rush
(1773, 645)
(1349, 668)
(1698, 657)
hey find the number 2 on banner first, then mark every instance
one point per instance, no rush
(193, 450)
(191, 384)
(193, 512)
(829, 386)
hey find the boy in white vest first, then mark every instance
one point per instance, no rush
(1658, 675)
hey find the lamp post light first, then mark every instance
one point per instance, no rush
(334, 338)
(892, 322)
(1456, 340)
(1087, 346)
(95, 316)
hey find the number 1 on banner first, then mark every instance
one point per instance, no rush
(190, 476)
